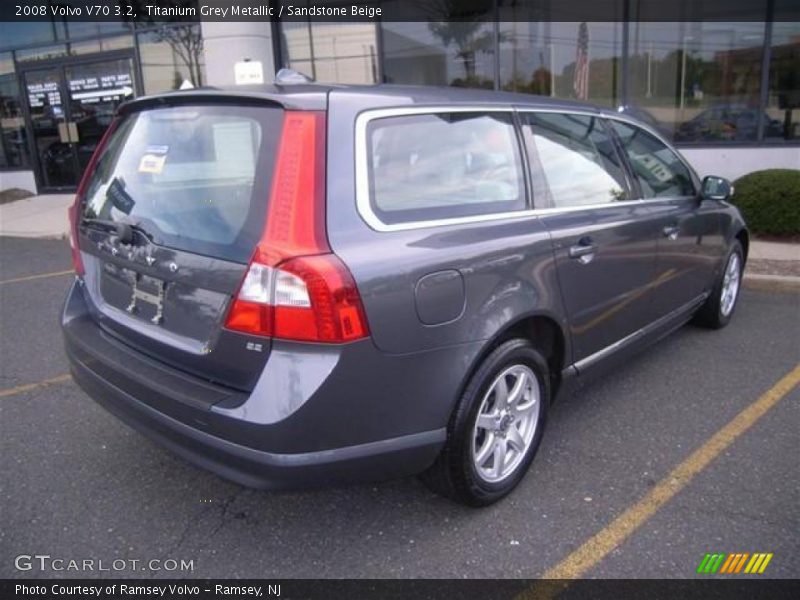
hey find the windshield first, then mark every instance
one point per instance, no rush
(186, 176)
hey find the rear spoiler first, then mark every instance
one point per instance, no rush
(298, 97)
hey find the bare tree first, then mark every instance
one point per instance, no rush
(187, 43)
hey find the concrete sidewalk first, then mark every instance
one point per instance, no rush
(760, 250)
(42, 216)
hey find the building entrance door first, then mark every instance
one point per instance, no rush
(70, 105)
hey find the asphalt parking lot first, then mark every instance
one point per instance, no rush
(77, 484)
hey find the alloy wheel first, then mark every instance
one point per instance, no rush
(730, 285)
(506, 423)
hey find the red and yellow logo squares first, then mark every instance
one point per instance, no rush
(742, 562)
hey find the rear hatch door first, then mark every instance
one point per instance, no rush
(168, 223)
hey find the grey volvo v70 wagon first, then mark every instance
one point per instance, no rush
(302, 284)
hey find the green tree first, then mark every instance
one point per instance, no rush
(457, 23)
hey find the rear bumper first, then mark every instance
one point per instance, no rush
(255, 468)
(157, 401)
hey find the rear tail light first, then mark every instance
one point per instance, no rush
(312, 298)
(74, 211)
(295, 287)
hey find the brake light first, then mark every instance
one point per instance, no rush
(295, 287)
(74, 211)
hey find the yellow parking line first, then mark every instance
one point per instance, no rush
(20, 389)
(602, 543)
(40, 276)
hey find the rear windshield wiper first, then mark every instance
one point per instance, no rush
(123, 231)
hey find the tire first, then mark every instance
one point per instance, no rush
(718, 310)
(457, 473)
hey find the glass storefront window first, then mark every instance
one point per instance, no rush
(297, 48)
(15, 34)
(412, 56)
(171, 56)
(698, 82)
(439, 52)
(333, 52)
(82, 29)
(783, 103)
(118, 42)
(564, 60)
(13, 142)
(42, 53)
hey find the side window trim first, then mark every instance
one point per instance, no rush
(519, 131)
(541, 196)
(362, 183)
(634, 187)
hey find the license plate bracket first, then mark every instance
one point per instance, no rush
(149, 290)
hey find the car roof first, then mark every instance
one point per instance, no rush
(315, 96)
(418, 94)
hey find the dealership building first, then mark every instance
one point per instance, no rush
(727, 92)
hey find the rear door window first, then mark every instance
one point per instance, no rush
(574, 161)
(444, 165)
(659, 170)
(195, 178)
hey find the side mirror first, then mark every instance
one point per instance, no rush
(716, 188)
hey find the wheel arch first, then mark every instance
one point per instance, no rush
(744, 239)
(544, 331)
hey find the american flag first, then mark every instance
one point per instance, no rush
(581, 82)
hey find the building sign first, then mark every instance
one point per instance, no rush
(44, 94)
(106, 88)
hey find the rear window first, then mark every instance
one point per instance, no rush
(444, 165)
(195, 178)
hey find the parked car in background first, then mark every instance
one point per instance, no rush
(728, 122)
(645, 117)
(299, 285)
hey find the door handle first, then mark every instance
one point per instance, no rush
(671, 232)
(584, 250)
